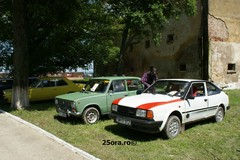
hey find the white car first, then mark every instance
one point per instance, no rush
(168, 104)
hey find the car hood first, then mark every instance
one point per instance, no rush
(146, 100)
(78, 95)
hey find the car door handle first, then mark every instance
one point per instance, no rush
(205, 100)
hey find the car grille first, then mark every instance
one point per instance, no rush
(126, 111)
(63, 104)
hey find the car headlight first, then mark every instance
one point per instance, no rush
(141, 113)
(73, 105)
(56, 101)
(144, 113)
(114, 107)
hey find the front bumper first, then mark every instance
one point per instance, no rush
(228, 107)
(6, 98)
(148, 126)
(67, 113)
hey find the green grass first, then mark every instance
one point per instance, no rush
(201, 141)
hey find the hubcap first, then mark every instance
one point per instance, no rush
(220, 115)
(173, 128)
(91, 116)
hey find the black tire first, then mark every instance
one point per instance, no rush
(219, 114)
(90, 115)
(172, 127)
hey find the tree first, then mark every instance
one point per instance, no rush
(145, 18)
(54, 35)
(6, 35)
(51, 36)
(6, 50)
(63, 34)
(20, 58)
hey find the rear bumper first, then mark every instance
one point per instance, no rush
(148, 126)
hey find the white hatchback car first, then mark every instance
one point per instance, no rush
(168, 104)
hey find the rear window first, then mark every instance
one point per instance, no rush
(212, 89)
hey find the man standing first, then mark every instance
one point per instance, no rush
(149, 77)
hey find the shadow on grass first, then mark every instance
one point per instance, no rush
(34, 106)
(199, 123)
(131, 134)
(41, 106)
(5, 106)
(76, 120)
(68, 120)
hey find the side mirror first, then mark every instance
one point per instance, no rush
(139, 91)
(190, 97)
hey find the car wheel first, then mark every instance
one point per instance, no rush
(172, 127)
(90, 115)
(219, 114)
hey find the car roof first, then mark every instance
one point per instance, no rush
(182, 79)
(116, 77)
(52, 78)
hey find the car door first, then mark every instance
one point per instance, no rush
(44, 91)
(196, 102)
(62, 87)
(116, 90)
(133, 85)
(213, 93)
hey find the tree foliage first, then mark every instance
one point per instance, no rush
(6, 50)
(67, 34)
(64, 34)
(51, 36)
(76, 33)
(6, 34)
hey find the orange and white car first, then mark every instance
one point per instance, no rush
(168, 104)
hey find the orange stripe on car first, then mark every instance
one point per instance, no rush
(154, 104)
(116, 101)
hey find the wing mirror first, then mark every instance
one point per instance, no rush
(139, 91)
(190, 96)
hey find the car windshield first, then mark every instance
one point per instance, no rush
(96, 85)
(168, 87)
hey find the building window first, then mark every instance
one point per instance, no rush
(147, 44)
(231, 68)
(183, 67)
(170, 38)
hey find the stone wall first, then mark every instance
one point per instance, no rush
(177, 56)
(180, 54)
(224, 36)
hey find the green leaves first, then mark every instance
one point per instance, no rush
(72, 33)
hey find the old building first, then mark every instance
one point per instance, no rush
(206, 46)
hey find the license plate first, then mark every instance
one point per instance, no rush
(123, 121)
(62, 114)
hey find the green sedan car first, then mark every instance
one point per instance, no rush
(96, 97)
